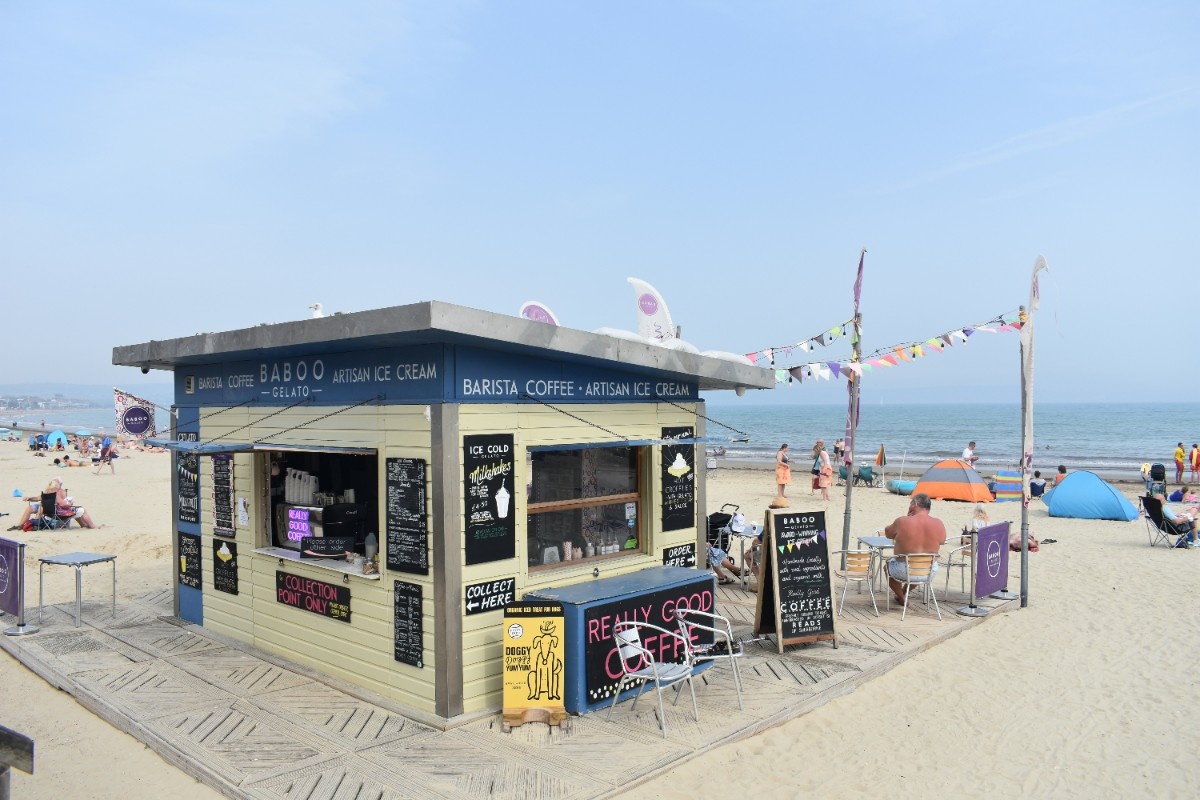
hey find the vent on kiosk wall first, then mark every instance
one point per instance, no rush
(189, 384)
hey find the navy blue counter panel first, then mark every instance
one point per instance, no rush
(591, 610)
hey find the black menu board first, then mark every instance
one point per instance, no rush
(187, 465)
(189, 560)
(222, 466)
(795, 600)
(406, 540)
(488, 477)
(678, 480)
(407, 634)
(225, 574)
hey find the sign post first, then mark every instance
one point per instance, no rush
(795, 600)
(534, 669)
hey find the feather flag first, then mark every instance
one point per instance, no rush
(135, 416)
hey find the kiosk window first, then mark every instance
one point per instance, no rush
(584, 504)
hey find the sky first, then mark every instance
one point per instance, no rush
(175, 167)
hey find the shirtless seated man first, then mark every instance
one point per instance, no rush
(918, 532)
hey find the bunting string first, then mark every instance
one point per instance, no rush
(888, 357)
(822, 339)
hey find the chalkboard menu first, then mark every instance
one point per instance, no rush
(189, 560)
(225, 574)
(678, 480)
(407, 635)
(188, 483)
(222, 466)
(795, 601)
(326, 546)
(406, 545)
(327, 599)
(488, 477)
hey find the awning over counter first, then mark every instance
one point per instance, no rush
(211, 448)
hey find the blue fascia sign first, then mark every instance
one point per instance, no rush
(419, 374)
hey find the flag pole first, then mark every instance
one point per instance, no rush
(854, 378)
(1027, 419)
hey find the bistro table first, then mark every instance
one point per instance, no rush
(878, 544)
(78, 561)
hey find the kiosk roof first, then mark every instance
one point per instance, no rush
(434, 322)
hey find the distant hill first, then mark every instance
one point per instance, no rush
(160, 393)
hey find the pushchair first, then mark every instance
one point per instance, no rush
(1157, 482)
(719, 526)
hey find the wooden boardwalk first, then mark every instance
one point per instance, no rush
(252, 725)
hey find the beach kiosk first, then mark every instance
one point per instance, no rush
(363, 493)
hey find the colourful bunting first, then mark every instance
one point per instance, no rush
(885, 357)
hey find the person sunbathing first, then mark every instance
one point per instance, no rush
(65, 507)
(67, 461)
(1183, 522)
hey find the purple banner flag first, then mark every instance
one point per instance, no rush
(135, 416)
(10, 583)
(991, 559)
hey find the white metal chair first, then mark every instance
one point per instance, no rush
(962, 559)
(638, 665)
(723, 648)
(919, 571)
(860, 569)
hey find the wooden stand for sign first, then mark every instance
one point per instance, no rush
(516, 717)
(788, 530)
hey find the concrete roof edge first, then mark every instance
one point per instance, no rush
(459, 322)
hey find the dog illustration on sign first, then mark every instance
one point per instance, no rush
(545, 678)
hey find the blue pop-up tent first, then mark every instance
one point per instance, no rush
(55, 437)
(1085, 495)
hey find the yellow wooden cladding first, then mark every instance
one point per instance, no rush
(361, 651)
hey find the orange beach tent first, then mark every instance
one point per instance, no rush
(953, 480)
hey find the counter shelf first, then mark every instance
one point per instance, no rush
(329, 564)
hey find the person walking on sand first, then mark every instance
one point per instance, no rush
(1179, 454)
(917, 532)
(106, 456)
(783, 472)
(969, 454)
(825, 478)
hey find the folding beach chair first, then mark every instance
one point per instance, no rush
(866, 477)
(1158, 527)
(49, 517)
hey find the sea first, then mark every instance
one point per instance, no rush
(1113, 440)
(1110, 439)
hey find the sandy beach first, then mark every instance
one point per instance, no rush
(1084, 693)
